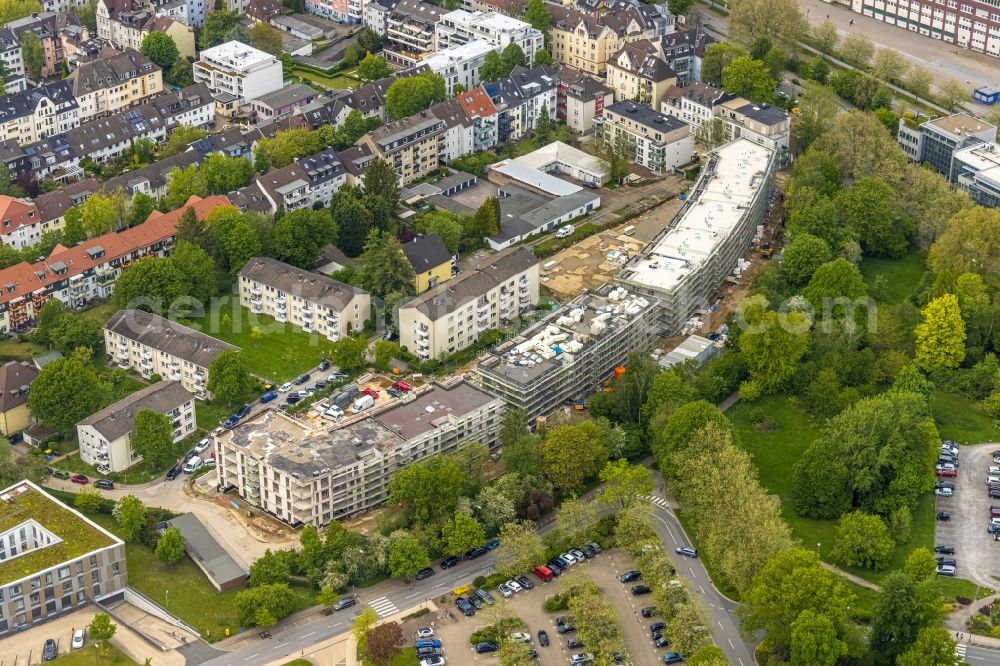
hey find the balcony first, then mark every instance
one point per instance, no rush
(423, 332)
(256, 307)
(255, 288)
(422, 343)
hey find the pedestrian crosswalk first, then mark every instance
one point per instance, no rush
(960, 649)
(658, 501)
(383, 607)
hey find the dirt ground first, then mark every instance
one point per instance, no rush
(529, 606)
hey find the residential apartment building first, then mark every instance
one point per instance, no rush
(461, 27)
(683, 51)
(281, 103)
(12, 58)
(687, 262)
(192, 106)
(21, 222)
(637, 73)
(87, 271)
(53, 559)
(766, 124)
(453, 314)
(976, 170)
(662, 143)
(580, 99)
(471, 123)
(106, 436)
(45, 25)
(409, 29)
(125, 23)
(519, 99)
(412, 146)
(936, 141)
(350, 12)
(304, 475)
(32, 115)
(971, 24)
(459, 65)
(587, 40)
(567, 356)
(431, 261)
(15, 385)
(151, 345)
(237, 69)
(326, 174)
(311, 301)
(696, 104)
(189, 12)
(113, 81)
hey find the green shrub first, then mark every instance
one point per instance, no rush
(495, 633)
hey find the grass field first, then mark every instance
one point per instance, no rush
(408, 657)
(963, 420)
(902, 275)
(184, 591)
(337, 82)
(89, 656)
(277, 352)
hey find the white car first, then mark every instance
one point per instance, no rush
(514, 586)
(285, 388)
(432, 661)
(201, 446)
(570, 559)
(521, 636)
(944, 492)
(425, 632)
(505, 591)
(78, 638)
(994, 469)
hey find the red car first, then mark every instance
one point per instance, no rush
(402, 386)
(372, 392)
(947, 472)
(79, 478)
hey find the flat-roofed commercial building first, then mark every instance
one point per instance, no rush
(568, 355)
(691, 257)
(451, 316)
(976, 169)
(53, 559)
(308, 476)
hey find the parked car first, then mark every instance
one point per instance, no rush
(524, 582)
(944, 550)
(566, 628)
(649, 611)
(473, 553)
(370, 391)
(324, 365)
(640, 590)
(485, 646)
(946, 570)
(505, 590)
(428, 652)
(425, 632)
(582, 658)
(660, 642)
(657, 626)
(449, 562)
(428, 642)
(293, 398)
(569, 558)
(514, 586)
(465, 606)
(50, 651)
(79, 478)
(574, 644)
(543, 638)
(950, 561)
(59, 473)
(952, 472)
(521, 636)
(485, 596)
(173, 472)
(630, 576)
(994, 493)
(553, 566)
(432, 661)
(672, 658)
(492, 544)
(943, 516)
(578, 554)
(944, 492)
(79, 636)
(285, 388)
(105, 484)
(346, 602)
(544, 574)
(268, 397)
(301, 379)
(687, 551)
(201, 446)
(424, 573)
(476, 601)
(394, 393)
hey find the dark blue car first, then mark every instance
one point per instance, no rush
(269, 396)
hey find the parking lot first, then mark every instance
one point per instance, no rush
(529, 606)
(976, 553)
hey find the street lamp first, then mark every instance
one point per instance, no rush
(817, 548)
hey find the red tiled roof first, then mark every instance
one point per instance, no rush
(15, 213)
(24, 278)
(477, 103)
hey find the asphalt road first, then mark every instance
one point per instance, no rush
(979, 656)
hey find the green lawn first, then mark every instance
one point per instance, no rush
(408, 657)
(88, 656)
(338, 81)
(184, 591)
(963, 420)
(101, 313)
(902, 275)
(277, 353)
(12, 350)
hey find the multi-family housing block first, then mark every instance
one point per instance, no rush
(12, 57)
(15, 385)
(580, 99)
(106, 436)
(408, 27)
(308, 476)
(281, 103)
(686, 262)
(766, 124)
(587, 40)
(412, 146)
(662, 143)
(113, 81)
(976, 169)
(239, 70)
(459, 65)
(971, 24)
(152, 345)
(519, 99)
(461, 27)
(311, 301)
(345, 11)
(35, 114)
(125, 23)
(568, 355)
(45, 25)
(21, 222)
(695, 103)
(53, 559)
(636, 72)
(452, 315)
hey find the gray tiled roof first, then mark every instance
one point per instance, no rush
(311, 287)
(426, 252)
(111, 68)
(167, 336)
(21, 104)
(118, 419)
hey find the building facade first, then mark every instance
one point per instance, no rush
(637, 73)
(106, 436)
(237, 69)
(935, 141)
(15, 384)
(430, 259)
(976, 170)
(152, 345)
(461, 27)
(662, 143)
(38, 113)
(412, 146)
(311, 301)
(971, 24)
(765, 124)
(113, 81)
(305, 476)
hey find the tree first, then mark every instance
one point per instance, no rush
(102, 212)
(383, 643)
(814, 641)
(718, 56)
(88, 499)
(624, 484)
(461, 532)
(542, 56)
(269, 569)
(831, 285)
(521, 548)
(34, 57)
(354, 226)
(512, 57)
(802, 257)
(869, 211)
(780, 21)
(160, 48)
(857, 49)
(286, 146)
(970, 244)
(267, 38)
(298, 237)
(264, 605)
(223, 174)
(71, 332)
(384, 267)
(130, 515)
(153, 438)
(218, 26)
(940, 336)
(64, 393)
(952, 92)
(151, 283)
(229, 378)
(381, 180)
(373, 67)
(407, 557)
(537, 14)
(934, 647)
(571, 454)
(890, 65)
(364, 623)
(918, 81)
(447, 226)
(348, 353)
(826, 36)
(101, 629)
(180, 138)
(863, 541)
(197, 268)
(515, 653)
(772, 346)
(429, 490)
(407, 96)
(170, 546)
(182, 184)
(486, 221)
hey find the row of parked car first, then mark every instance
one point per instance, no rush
(947, 467)
(656, 629)
(430, 652)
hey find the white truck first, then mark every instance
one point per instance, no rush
(362, 403)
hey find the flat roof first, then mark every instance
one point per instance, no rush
(236, 54)
(77, 535)
(452, 54)
(960, 123)
(558, 152)
(214, 559)
(706, 219)
(431, 410)
(529, 175)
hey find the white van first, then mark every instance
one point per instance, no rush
(565, 231)
(192, 465)
(362, 403)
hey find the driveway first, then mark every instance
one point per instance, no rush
(977, 554)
